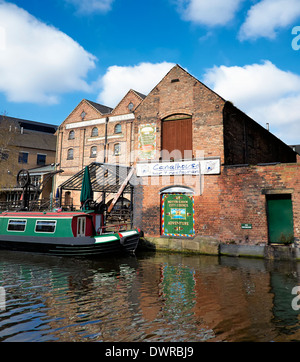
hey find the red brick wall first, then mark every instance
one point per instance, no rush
(243, 199)
(187, 96)
(235, 197)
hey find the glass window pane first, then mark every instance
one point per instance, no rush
(16, 225)
(46, 226)
(118, 128)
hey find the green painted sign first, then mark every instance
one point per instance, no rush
(178, 215)
(246, 226)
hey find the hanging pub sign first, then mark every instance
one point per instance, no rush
(147, 141)
(178, 215)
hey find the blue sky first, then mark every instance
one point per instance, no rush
(54, 53)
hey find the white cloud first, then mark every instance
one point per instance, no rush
(91, 6)
(264, 92)
(211, 13)
(38, 61)
(267, 16)
(142, 77)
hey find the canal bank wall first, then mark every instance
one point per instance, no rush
(212, 246)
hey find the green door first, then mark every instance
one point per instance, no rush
(280, 219)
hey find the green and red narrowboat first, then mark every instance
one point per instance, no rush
(78, 233)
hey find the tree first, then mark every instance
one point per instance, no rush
(8, 152)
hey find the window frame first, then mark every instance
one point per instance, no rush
(93, 154)
(95, 132)
(19, 231)
(71, 135)
(21, 157)
(45, 231)
(69, 156)
(115, 146)
(39, 163)
(118, 128)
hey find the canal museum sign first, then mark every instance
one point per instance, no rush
(177, 212)
(202, 167)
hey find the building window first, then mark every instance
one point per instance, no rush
(117, 149)
(95, 132)
(71, 135)
(70, 154)
(4, 155)
(118, 128)
(41, 160)
(23, 157)
(130, 106)
(35, 180)
(93, 151)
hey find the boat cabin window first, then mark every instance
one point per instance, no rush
(45, 226)
(81, 226)
(16, 225)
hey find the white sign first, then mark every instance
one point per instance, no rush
(93, 122)
(210, 166)
(204, 167)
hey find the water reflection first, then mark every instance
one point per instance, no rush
(157, 297)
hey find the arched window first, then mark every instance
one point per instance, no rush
(93, 151)
(71, 135)
(118, 128)
(70, 154)
(94, 132)
(117, 149)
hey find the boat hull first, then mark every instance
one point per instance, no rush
(68, 246)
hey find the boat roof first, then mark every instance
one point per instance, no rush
(45, 214)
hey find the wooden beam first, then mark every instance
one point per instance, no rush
(122, 187)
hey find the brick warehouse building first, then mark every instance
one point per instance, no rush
(204, 168)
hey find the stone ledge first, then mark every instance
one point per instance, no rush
(200, 245)
(211, 246)
(256, 251)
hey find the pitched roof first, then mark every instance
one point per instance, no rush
(143, 96)
(31, 125)
(100, 107)
(40, 141)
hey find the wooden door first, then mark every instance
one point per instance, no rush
(177, 135)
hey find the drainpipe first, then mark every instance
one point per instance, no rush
(131, 159)
(57, 163)
(83, 148)
(105, 140)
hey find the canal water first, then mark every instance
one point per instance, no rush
(155, 297)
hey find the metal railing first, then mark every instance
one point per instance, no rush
(34, 205)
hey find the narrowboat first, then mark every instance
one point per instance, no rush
(64, 233)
